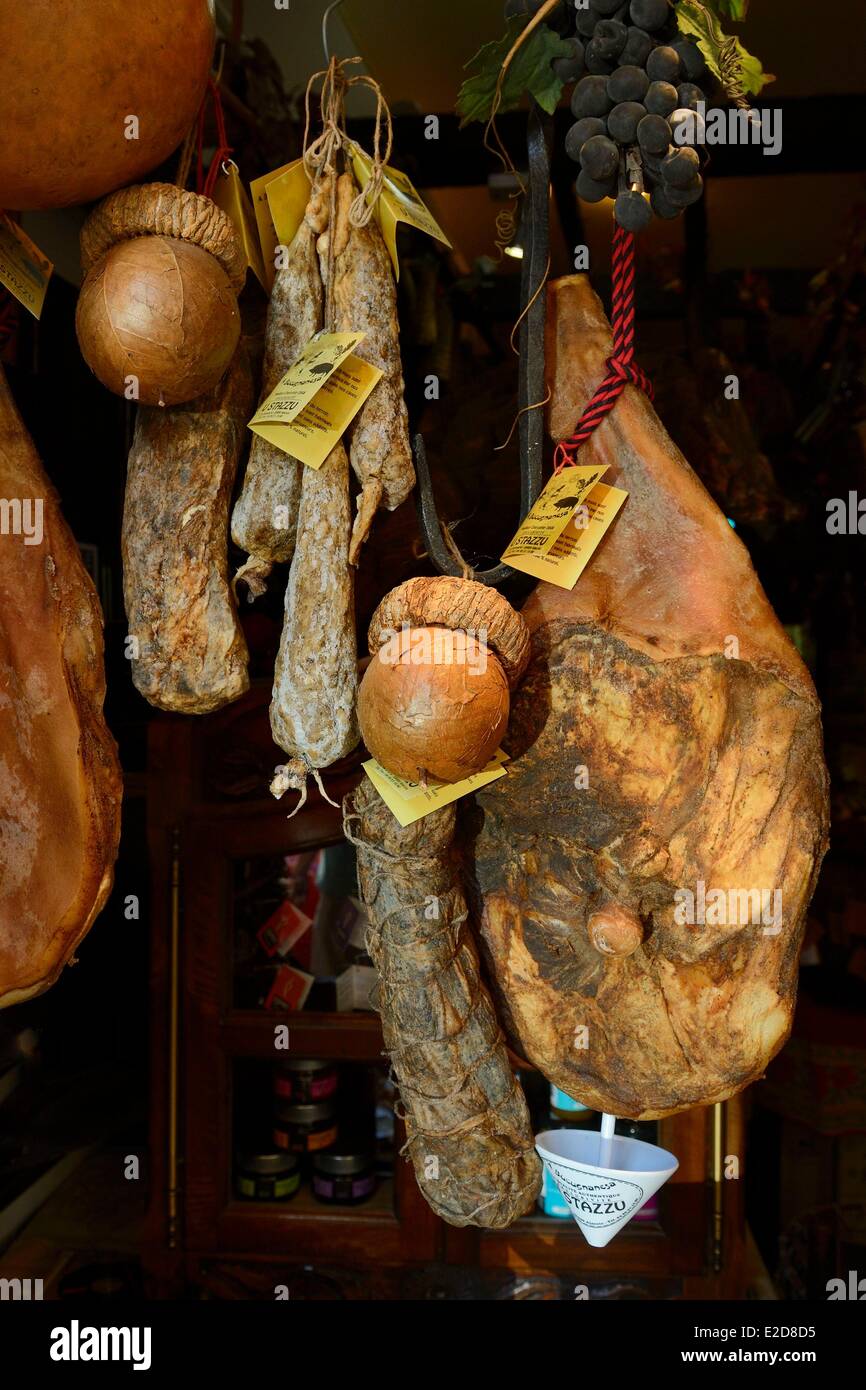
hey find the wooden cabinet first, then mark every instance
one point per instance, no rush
(205, 816)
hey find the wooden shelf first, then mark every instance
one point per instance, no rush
(355, 1234)
(304, 1207)
(547, 1242)
(354, 1037)
(539, 1224)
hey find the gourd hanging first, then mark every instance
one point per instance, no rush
(157, 317)
(94, 95)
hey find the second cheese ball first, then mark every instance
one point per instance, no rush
(433, 704)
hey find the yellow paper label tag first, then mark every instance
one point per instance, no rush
(232, 198)
(24, 270)
(313, 404)
(400, 201)
(288, 195)
(559, 552)
(563, 494)
(268, 237)
(319, 360)
(409, 801)
(324, 420)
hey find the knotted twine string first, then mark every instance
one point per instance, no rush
(621, 366)
(320, 154)
(292, 777)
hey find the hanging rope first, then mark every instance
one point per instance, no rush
(193, 145)
(621, 366)
(207, 184)
(320, 153)
(362, 209)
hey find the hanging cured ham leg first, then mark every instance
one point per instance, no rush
(60, 787)
(642, 874)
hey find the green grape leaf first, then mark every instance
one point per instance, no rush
(725, 56)
(530, 72)
(730, 9)
(754, 77)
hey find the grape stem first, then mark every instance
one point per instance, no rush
(517, 45)
(633, 170)
(490, 128)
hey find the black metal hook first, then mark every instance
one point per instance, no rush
(531, 369)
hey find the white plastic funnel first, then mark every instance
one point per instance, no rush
(603, 1199)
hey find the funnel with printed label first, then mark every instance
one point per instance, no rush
(603, 1198)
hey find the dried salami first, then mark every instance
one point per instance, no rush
(189, 653)
(467, 1125)
(365, 300)
(316, 678)
(264, 520)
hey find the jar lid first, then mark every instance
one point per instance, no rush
(268, 1164)
(305, 1064)
(307, 1114)
(341, 1165)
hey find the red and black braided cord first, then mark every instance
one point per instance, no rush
(621, 366)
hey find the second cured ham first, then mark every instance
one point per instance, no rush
(60, 783)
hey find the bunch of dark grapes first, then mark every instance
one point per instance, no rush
(636, 85)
